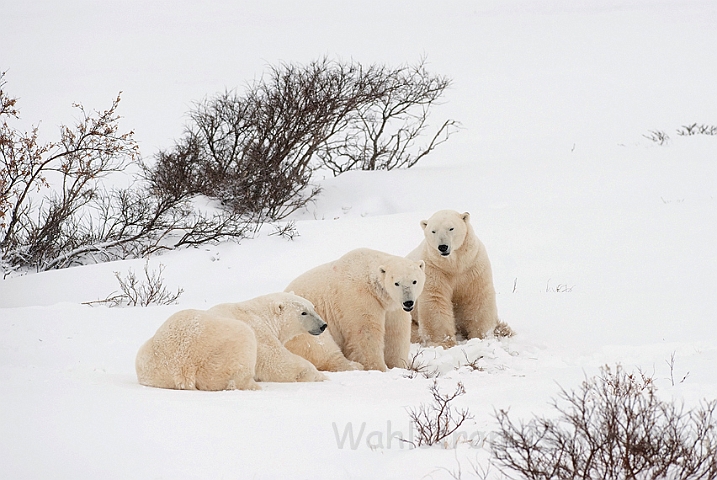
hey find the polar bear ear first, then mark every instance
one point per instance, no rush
(382, 270)
(292, 293)
(421, 264)
(424, 224)
(466, 216)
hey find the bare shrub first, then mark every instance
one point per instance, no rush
(55, 210)
(473, 364)
(613, 427)
(34, 231)
(658, 136)
(253, 152)
(417, 365)
(257, 152)
(671, 364)
(135, 292)
(381, 134)
(695, 129)
(438, 420)
(559, 288)
(287, 230)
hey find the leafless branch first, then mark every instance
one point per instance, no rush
(136, 292)
(613, 427)
(438, 420)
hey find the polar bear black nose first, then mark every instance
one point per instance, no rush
(408, 305)
(323, 327)
(443, 248)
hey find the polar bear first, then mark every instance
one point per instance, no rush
(276, 319)
(354, 294)
(322, 352)
(194, 349)
(459, 294)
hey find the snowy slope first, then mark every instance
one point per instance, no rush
(562, 187)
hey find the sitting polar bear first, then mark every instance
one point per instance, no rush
(194, 349)
(224, 350)
(276, 319)
(459, 294)
(365, 297)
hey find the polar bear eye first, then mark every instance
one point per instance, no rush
(396, 284)
(451, 229)
(414, 282)
(304, 313)
(433, 231)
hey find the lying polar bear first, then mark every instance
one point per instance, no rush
(230, 346)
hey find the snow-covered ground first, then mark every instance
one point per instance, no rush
(603, 243)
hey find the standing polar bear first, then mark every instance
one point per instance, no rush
(229, 347)
(365, 297)
(459, 294)
(276, 319)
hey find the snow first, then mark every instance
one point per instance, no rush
(563, 189)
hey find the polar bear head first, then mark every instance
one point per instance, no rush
(297, 315)
(403, 279)
(446, 231)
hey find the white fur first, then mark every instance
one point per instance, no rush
(194, 349)
(354, 294)
(276, 319)
(459, 293)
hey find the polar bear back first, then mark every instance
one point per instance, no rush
(353, 281)
(278, 315)
(194, 349)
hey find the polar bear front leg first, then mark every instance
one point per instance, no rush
(477, 320)
(397, 339)
(436, 324)
(364, 340)
(322, 351)
(275, 363)
(476, 310)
